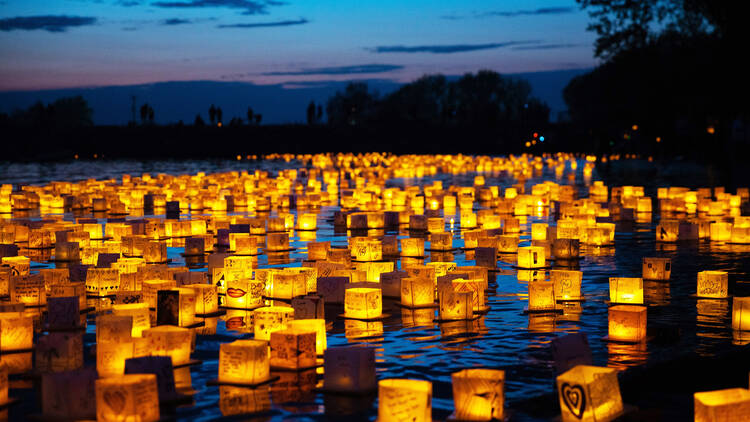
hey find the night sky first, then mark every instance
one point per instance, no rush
(79, 43)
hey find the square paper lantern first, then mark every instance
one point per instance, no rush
(455, 305)
(277, 241)
(567, 284)
(478, 394)
(244, 293)
(307, 221)
(416, 292)
(441, 241)
(308, 307)
(412, 246)
(69, 395)
(113, 328)
(139, 312)
(132, 397)
(318, 326)
(168, 340)
(244, 362)
(235, 400)
(349, 369)
(741, 313)
(206, 298)
(271, 318)
(531, 257)
(626, 290)
(713, 284)
(566, 248)
(318, 251)
(363, 303)
(111, 357)
(657, 268)
(589, 394)
(286, 285)
(175, 307)
(475, 286)
(19, 265)
(16, 331)
(539, 231)
(150, 289)
(404, 399)
(102, 281)
(332, 289)
(627, 323)
(67, 251)
(486, 257)
(541, 296)
(293, 348)
(155, 252)
(63, 312)
(59, 351)
(507, 243)
(731, 404)
(390, 283)
(28, 289)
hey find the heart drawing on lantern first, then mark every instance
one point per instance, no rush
(115, 400)
(574, 399)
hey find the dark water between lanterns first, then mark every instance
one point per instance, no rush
(413, 346)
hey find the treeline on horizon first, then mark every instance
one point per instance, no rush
(670, 84)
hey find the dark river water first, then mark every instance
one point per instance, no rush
(411, 345)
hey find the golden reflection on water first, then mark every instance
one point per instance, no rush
(656, 292)
(621, 356)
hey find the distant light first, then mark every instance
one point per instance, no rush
(658, 139)
(528, 144)
(536, 135)
(218, 124)
(626, 136)
(96, 155)
(541, 138)
(711, 130)
(533, 142)
(239, 157)
(635, 127)
(75, 156)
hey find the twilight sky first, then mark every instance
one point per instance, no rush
(77, 43)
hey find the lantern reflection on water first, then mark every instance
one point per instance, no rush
(404, 399)
(293, 348)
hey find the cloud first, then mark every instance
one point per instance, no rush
(545, 46)
(515, 13)
(47, 23)
(248, 7)
(128, 3)
(446, 49)
(175, 21)
(300, 21)
(340, 70)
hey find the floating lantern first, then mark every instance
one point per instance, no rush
(332, 289)
(318, 251)
(244, 293)
(69, 395)
(363, 303)
(59, 351)
(63, 312)
(566, 248)
(627, 323)
(539, 231)
(67, 251)
(475, 286)
(318, 326)
(731, 404)
(307, 221)
(713, 284)
(486, 257)
(102, 281)
(308, 307)
(531, 257)
(412, 247)
(111, 357)
(721, 231)
(589, 393)
(28, 289)
(657, 268)
(404, 399)
(626, 290)
(243, 243)
(541, 296)
(567, 284)
(168, 340)
(19, 265)
(349, 369)
(155, 252)
(507, 244)
(175, 307)
(455, 305)
(416, 292)
(113, 328)
(127, 397)
(478, 394)
(139, 312)
(206, 298)
(284, 285)
(293, 348)
(277, 241)
(741, 313)
(195, 246)
(271, 318)
(16, 331)
(151, 288)
(244, 362)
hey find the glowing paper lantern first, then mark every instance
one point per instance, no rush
(566, 248)
(277, 241)
(59, 351)
(731, 404)
(363, 303)
(412, 247)
(590, 394)
(627, 323)
(168, 340)
(441, 241)
(308, 307)
(741, 313)
(531, 257)
(293, 348)
(150, 289)
(567, 284)
(111, 357)
(244, 362)
(713, 284)
(455, 306)
(132, 397)
(657, 268)
(139, 313)
(286, 285)
(478, 394)
(404, 399)
(16, 331)
(244, 293)
(175, 307)
(28, 289)
(626, 290)
(349, 369)
(416, 292)
(67, 251)
(269, 319)
(19, 265)
(541, 296)
(318, 326)
(475, 286)
(206, 298)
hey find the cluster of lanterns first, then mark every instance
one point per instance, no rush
(148, 313)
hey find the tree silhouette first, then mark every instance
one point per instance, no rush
(319, 114)
(249, 115)
(198, 121)
(144, 113)
(212, 114)
(258, 118)
(150, 115)
(311, 113)
(355, 106)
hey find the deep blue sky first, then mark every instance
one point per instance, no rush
(76, 43)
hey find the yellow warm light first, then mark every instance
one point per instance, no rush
(139, 312)
(741, 313)
(269, 319)
(404, 399)
(627, 323)
(626, 290)
(713, 284)
(293, 348)
(318, 326)
(531, 257)
(16, 331)
(567, 284)
(132, 397)
(363, 303)
(722, 405)
(417, 292)
(590, 394)
(168, 340)
(478, 394)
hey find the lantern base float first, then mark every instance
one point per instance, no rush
(375, 318)
(318, 364)
(188, 255)
(442, 250)
(580, 299)
(217, 383)
(473, 318)
(557, 310)
(191, 362)
(727, 297)
(643, 340)
(452, 418)
(427, 305)
(220, 312)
